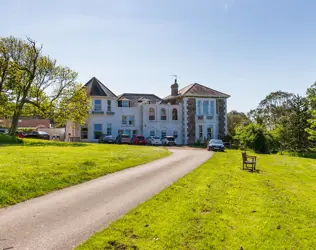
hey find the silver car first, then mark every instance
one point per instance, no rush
(153, 140)
(216, 145)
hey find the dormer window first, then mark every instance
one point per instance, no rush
(125, 104)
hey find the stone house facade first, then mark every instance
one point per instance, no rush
(192, 113)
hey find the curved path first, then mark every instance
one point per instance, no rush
(65, 218)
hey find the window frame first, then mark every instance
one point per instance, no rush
(163, 117)
(175, 134)
(201, 131)
(109, 129)
(85, 132)
(126, 102)
(109, 106)
(99, 131)
(131, 120)
(95, 105)
(151, 114)
(206, 107)
(175, 114)
(163, 131)
(124, 121)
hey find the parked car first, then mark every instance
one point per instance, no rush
(215, 144)
(120, 139)
(139, 140)
(3, 130)
(38, 135)
(169, 141)
(55, 137)
(106, 139)
(153, 140)
(19, 134)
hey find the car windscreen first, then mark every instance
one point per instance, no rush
(170, 138)
(140, 137)
(217, 141)
(42, 133)
(157, 138)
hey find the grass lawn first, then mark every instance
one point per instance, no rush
(38, 167)
(219, 206)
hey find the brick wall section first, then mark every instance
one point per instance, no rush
(191, 120)
(220, 106)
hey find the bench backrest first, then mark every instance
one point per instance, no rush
(244, 156)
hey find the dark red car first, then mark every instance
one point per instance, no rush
(19, 134)
(139, 140)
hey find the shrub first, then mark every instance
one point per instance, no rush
(255, 137)
(6, 139)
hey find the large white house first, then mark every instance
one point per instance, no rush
(190, 114)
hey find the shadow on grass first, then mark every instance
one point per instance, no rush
(309, 155)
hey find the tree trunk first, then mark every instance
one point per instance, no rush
(15, 120)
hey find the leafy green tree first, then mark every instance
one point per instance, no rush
(254, 136)
(236, 119)
(292, 130)
(271, 109)
(68, 111)
(35, 84)
(311, 98)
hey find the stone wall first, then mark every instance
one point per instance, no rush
(220, 107)
(191, 111)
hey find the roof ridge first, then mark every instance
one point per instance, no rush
(192, 85)
(212, 89)
(139, 94)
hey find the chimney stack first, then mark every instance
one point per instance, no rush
(174, 88)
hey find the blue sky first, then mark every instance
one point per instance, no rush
(246, 48)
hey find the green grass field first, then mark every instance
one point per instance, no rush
(219, 206)
(38, 167)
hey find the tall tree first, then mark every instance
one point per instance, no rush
(293, 135)
(311, 98)
(235, 119)
(36, 81)
(271, 109)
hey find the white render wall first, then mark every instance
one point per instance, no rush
(114, 119)
(142, 123)
(159, 125)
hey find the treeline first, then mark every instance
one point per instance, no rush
(33, 84)
(281, 122)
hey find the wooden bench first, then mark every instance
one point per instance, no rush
(246, 161)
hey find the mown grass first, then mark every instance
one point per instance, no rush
(219, 206)
(38, 167)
